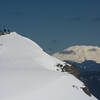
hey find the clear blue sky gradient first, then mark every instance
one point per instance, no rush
(54, 24)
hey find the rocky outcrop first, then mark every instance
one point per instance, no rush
(4, 33)
(68, 67)
(86, 90)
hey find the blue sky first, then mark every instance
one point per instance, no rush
(54, 24)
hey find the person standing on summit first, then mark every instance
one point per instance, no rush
(4, 28)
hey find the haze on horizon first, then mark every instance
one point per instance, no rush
(54, 24)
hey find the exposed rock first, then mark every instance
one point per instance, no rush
(86, 90)
(4, 33)
(67, 67)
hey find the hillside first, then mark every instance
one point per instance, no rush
(28, 73)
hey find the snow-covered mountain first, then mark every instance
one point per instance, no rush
(28, 73)
(87, 60)
(80, 54)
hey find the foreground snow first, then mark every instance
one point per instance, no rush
(28, 73)
(80, 54)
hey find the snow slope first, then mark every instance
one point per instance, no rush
(28, 73)
(80, 54)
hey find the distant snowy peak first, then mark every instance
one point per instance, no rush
(80, 54)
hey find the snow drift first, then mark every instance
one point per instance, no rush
(28, 73)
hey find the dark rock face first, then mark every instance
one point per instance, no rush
(1, 33)
(86, 90)
(4, 33)
(67, 52)
(72, 69)
(67, 67)
(90, 75)
(92, 81)
(87, 66)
